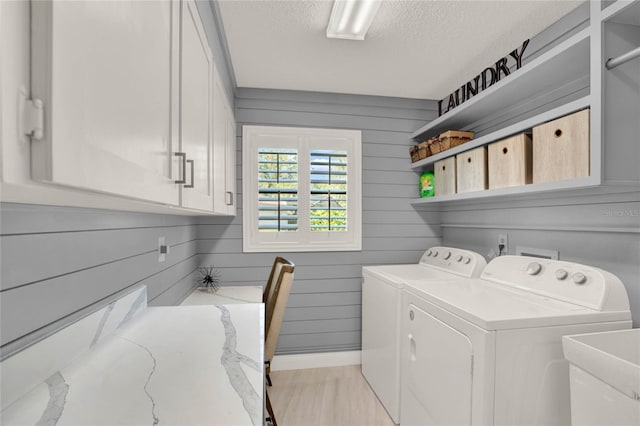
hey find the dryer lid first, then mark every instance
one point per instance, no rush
(492, 306)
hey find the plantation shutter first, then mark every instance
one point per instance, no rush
(301, 189)
(277, 190)
(328, 201)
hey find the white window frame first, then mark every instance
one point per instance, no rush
(303, 139)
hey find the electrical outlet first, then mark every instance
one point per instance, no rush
(163, 249)
(502, 240)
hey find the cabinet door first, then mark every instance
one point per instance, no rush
(196, 110)
(224, 151)
(103, 70)
(219, 146)
(230, 146)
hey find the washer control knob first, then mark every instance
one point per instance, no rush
(579, 278)
(561, 274)
(467, 260)
(459, 258)
(411, 315)
(435, 253)
(534, 268)
(429, 253)
(447, 255)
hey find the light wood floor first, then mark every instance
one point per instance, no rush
(335, 396)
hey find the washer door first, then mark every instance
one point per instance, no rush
(439, 372)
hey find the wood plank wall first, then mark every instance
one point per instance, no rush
(602, 230)
(599, 229)
(56, 261)
(323, 313)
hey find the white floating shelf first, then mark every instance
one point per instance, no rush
(519, 127)
(513, 190)
(622, 12)
(562, 64)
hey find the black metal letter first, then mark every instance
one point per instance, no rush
(518, 56)
(501, 65)
(484, 77)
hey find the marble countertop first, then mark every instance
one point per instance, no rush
(225, 295)
(183, 365)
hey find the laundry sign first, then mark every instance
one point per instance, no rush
(488, 77)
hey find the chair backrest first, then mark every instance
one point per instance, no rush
(273, 276)
(275, 297)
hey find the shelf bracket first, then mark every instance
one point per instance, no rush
(31, 116)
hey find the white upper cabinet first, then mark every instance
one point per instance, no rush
(127, 89)
(104, 73)
(224, 156)
(196, 111)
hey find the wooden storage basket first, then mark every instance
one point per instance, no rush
(453, 138)
(434, 145)
(424, 149)
(415, 155)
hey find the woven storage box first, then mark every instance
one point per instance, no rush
(435, 146)
(445, 176)
(561, 148)
(453, 138)
(471, 170)
(510, 162)
(424, 150)
(415, 155)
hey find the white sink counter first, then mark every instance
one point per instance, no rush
(185, 365)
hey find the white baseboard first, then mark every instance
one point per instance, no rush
(315, 360)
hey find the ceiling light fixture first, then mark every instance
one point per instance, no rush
(350, 19)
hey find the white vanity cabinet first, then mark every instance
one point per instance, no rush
(104, 73)
(224, 156)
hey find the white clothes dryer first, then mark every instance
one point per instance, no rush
(488, 351)
(381, 313)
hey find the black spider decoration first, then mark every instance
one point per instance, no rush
(208, 278)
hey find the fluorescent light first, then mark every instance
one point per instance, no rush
(350, 19)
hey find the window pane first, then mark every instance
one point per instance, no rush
(328, 208)
(277, 190)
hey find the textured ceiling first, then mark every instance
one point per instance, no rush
(414, 48)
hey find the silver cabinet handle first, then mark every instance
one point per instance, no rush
(229, 198)
(184, 167)
(192, 167)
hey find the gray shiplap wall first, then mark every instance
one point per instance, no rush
(603, 231)
(56, 261)
(600, 229)
(323, 313)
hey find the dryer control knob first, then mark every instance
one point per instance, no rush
(467, 260)
(429, 253)
(435, 253)
(534, 268)
(411, 315)
(579, 278)
(459, 258)
(447, 255)
(561, 274)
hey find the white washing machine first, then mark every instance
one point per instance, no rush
(381, 313)
(488, 351)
